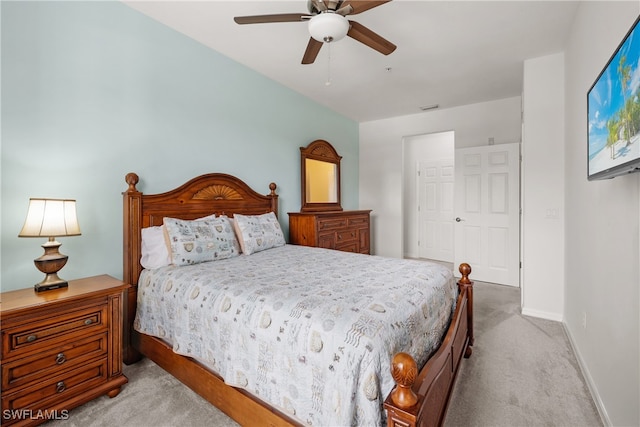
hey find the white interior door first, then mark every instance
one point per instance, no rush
(435, 209)
(487, 212)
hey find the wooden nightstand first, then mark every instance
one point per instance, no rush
(60, 348)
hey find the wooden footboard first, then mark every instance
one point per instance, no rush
(422, 398)
(238, 404)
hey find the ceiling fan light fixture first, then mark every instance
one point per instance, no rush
(328, 27)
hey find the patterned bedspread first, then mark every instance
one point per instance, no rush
(311, 331)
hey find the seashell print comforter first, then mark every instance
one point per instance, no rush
(311, 331)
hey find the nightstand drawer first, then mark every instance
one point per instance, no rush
(36, 335)
(58, 388)
(25, 370)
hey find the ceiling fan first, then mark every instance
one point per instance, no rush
(328, 23)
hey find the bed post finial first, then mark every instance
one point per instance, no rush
(131, 179)
(465, 270)
(404, 371)
(274, 198)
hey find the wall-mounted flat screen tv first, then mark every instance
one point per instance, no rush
(613, 108)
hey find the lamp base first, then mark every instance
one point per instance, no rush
(50, 263)
(52, 281)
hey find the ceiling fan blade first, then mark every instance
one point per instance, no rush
(313, 48)
(263, 19)
(359, 6)
(366, 36)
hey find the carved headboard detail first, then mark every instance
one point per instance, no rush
(217, 192)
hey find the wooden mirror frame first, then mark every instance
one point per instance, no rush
(322, 151)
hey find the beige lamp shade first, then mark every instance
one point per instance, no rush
(51, 218)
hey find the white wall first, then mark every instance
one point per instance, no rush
(543, 188)
(602, 229)
(420, 148)
(381, 160)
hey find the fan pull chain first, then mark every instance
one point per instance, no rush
(328, 82)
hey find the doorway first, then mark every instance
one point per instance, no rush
(428, 196)
(485, 179)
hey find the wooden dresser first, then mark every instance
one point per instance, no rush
(347, 231)
(60, 348)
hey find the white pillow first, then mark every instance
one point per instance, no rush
(258, 232)
(154, 248)
(193, 242)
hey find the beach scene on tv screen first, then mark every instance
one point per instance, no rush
(614, 109)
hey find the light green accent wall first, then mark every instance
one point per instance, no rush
(94, 90)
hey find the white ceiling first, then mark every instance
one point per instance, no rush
(449, 53)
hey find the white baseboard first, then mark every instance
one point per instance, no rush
(587, 376)
(542, 314)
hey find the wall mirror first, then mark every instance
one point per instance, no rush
(320, 177)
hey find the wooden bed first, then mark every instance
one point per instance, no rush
(420, 398)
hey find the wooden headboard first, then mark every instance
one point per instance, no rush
(217, 193)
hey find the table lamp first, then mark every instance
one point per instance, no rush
(51, 218)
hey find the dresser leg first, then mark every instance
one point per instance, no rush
(113, 393)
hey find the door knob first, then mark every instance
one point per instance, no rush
(458, 219)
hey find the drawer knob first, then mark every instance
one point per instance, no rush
(60, 387)
(88, 322)
(32, 338)
(61, 358)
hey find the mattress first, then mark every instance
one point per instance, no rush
(310, 331)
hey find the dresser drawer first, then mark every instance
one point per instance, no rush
(37, 335)
(334, 239)
(348, 247)
(331, 223)
(359, 221)
(25, 370)
(346, 236)
(57, 388)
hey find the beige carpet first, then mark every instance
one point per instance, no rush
(522, 373)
